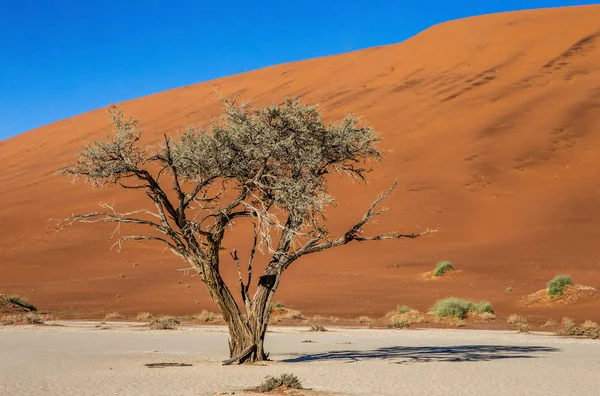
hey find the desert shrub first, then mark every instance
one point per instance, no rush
(112, 315)
(205, 316)
(451, 307)
(458, 308)
(279, 304)
(588, 329)
(442, 267)
(516, 319)
(557, 285)
(522, 328)
(588, 324)
(11, 319)
(34, 318)
(487, 315)
(164, 323)
(482, 307)
(30, 318)
(364, 319)
(143, 316)
(509, 289)
(317, 327)
(567, 322)
(284, 380)
(402, 309)
(397, 324)
(22, 302)
(550, 323)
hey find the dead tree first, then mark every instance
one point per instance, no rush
(267, 166)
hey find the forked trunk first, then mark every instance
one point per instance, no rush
(246, 332)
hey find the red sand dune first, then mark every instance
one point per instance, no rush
(493, 131)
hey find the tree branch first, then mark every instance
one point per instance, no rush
(353, 234)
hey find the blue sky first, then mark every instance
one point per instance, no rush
(60, 58)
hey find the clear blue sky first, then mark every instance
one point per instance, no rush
(59, 58)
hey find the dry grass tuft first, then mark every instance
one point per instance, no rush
(284, 381)
(281, 314)
(588, 324)
(550, 323)
(523, 328)
(516, 319)
(205, 316)
(143, 316)
(164, 323)
(588, 329)
(317, 327)
(485, 316)
(113, 315)
(28, 318)
(567, 322)
(364, 319)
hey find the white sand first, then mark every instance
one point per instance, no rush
(83, 360)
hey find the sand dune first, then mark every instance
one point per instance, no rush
(493, 131)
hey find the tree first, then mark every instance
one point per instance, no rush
(266, 166)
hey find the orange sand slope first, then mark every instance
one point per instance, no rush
(493, 131)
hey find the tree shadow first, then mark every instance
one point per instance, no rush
(460, 353)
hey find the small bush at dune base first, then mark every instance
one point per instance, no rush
(22, 302)
(205, 316)
(397, 324)
(442, 267)
(143, 316)
(458, 308)
(164, 323)
(516, 319)
(588, 329)
(557, 285)
(522, 328)
(289, 381)
(402, 309)
(29, 318)
(317, 327)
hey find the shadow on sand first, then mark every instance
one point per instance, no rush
(461, 353)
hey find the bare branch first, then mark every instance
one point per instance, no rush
(315, 245)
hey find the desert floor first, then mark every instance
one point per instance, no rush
(86, 358)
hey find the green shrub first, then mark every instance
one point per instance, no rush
(451, 307)
(402, 309)
(279, 304)
(442, 267)
(284, 380)
(22, 302)
(458, 308)
(556, 286)
(482, 307)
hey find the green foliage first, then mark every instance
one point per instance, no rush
(289, 381)
(402, 309)
(442, 267)
(482, 307)
(22, 302)
(279, 304)
(459, 308)
(556, 286)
